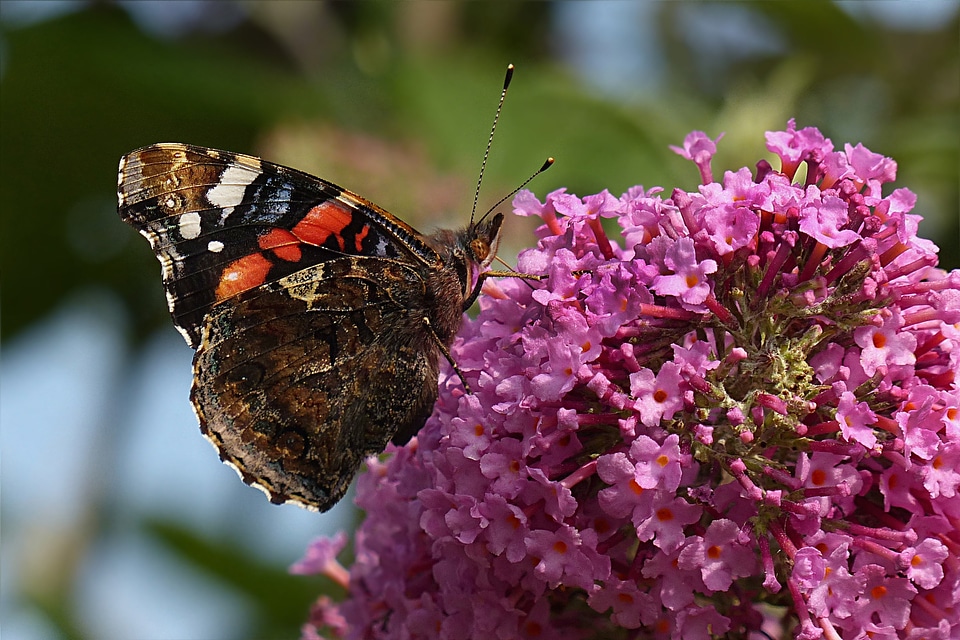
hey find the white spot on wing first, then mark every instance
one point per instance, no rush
(190, 225)
(215, 246)
(150, 236)
(120, 196)
(233, 182)
(171, 304)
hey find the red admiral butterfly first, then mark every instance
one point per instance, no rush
(318, 318)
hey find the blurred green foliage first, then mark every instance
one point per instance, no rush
(314, 83)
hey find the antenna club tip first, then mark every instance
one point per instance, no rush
(509, 76)
(547, 164)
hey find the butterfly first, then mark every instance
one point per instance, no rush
(318, 318)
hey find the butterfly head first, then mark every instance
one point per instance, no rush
(484, 240)
(468, 253)
(479, 244)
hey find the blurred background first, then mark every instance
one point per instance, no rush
(118, 521)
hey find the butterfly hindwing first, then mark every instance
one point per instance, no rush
(294, 380)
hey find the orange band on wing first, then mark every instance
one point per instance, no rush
(243, 274)
(360, 236)
(284, 244)
(322, 221)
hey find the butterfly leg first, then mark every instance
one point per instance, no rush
(466, 305)
(446, 354)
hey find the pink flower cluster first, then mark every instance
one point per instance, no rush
(740, 419)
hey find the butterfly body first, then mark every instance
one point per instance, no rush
(318, 318)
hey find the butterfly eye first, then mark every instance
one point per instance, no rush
(486, 241)
(481, 249)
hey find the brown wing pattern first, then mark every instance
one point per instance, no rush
(295, 383)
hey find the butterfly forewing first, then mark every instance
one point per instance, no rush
(222, 223)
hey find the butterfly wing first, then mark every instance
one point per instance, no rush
(305, 304)
(222, 223)
(300, 379)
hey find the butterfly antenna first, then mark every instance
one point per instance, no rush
(486, 153)
(546, 165)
